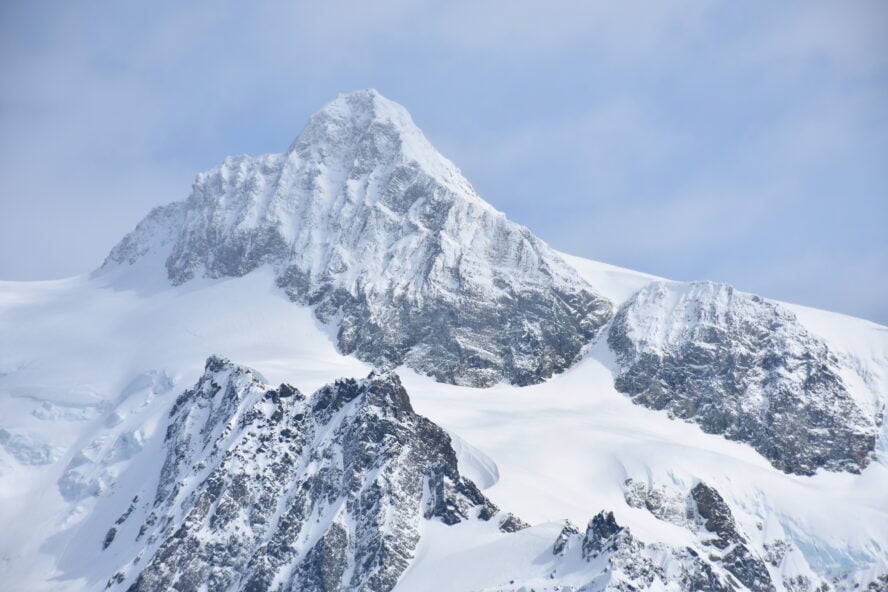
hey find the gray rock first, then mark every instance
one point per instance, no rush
(743, 367)
(601, 535)
(512, 523)
(703, 511)
(733, 550)
(263, 488)
(568, 532)
(628, 564)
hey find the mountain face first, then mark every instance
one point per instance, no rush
(713, 555)
(743, 367)
(264, 488)
(363, 220)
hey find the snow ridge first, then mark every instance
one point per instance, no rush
(263, 488)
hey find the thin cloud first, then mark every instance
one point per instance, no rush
(678, 137)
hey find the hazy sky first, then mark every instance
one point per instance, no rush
(744, 142)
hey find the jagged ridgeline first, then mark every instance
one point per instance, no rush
(364, 220)
(264, 488)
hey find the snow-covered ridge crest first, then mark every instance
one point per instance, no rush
(362, 219)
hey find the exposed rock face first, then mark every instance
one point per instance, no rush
(363, 220)
(601, 535)
(567, 533)
(732, 548)
(623, 563)
(741, 366)
(719, 557)
(723, 545)
(263, 488)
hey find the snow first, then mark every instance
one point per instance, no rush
(475, 555)
(116, 359)
(616, 284)
(863, 347)
(332, 198)
(561, 449)
(565, 448)
(366, 108)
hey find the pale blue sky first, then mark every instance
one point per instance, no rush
(744, 142)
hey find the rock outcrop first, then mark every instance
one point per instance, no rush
(264, 488)
(743, 367)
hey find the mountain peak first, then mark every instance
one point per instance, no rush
(356, 112)
(365, 221)
(363, 130)
(361, 107)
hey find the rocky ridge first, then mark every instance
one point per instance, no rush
(364, 222)
(266, 489)
(771, 565)
(743, 367)
(612, 559)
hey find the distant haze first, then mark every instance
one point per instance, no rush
(738, 142)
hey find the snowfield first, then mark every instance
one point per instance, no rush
(90, 370)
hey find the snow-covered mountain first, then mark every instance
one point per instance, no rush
(263, 488)
(365, 221)
(703, 438)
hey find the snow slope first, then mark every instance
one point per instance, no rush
(75, 355)
(547, 452)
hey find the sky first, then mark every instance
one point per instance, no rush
(742, 142)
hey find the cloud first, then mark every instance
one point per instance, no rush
(846, 36)
(680, 137)
(625, 29)
(837, 281)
